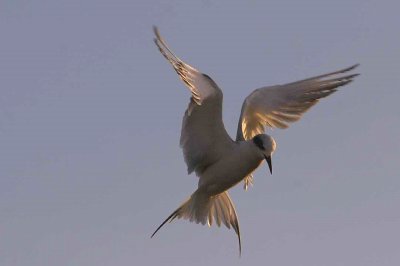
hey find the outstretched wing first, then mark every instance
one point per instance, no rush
(197, 82)
(277, 106)
(203, 136)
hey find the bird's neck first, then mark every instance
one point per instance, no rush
(250, 149)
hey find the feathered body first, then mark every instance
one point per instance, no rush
(220, 162)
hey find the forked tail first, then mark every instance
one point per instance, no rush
(204, 209)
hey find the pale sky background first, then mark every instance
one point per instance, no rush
(90, 117)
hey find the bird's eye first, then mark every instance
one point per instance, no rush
(259, 143)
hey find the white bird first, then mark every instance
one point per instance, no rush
(218, 161)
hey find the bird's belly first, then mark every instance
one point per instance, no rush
(225, 174)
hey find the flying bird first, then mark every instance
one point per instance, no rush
(218, 160)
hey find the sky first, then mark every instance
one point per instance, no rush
(90, 117)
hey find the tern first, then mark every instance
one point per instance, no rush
(220, 162)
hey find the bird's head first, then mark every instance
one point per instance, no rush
(267, 146)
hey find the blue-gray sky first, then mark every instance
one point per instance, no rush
(90, 117)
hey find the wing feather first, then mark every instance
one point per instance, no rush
(203, 136)
(277, 106)
(197, 82)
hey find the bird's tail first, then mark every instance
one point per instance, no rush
(201, 208)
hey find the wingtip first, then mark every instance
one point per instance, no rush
(353, 66)
(155, 29)
(156, 32)
(348, 68)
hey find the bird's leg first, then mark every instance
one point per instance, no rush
(248, 180)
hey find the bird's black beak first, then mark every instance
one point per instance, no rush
(268, 159)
